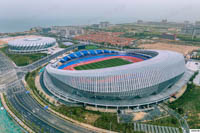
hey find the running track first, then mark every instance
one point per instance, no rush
(71, 65)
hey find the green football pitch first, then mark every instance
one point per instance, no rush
(103, 64)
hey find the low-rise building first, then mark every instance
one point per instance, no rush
(191, 29)
(168, 36)
(106, 37)
(67, 31)
(104, 24)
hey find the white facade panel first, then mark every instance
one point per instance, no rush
(31, 44)
(132, 77)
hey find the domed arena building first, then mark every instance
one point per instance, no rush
(110, 78)
(31, 45)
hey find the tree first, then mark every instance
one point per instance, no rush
(180, 111)
(174, 121)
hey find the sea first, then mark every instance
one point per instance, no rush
(10, 26)
(20, 25)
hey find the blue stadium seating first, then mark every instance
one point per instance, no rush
(85, 52)
(88, 52)
(106, 51)
(99, 54)
(99, 51)
(141, 56)
(92, 52)
(66, 58)
(78, 54)
(62, 60)
(72, 56)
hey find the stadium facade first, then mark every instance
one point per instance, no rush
(31, 45)
(147, 81)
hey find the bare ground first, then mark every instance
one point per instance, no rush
(184, 49)
(2, 42)
(138, 116)
(91, 118)
(179, 94)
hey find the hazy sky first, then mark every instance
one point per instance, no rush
(69, 12)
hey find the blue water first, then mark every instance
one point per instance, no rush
(20, 25)
(90, 58)
(7, 124)
(24, 24)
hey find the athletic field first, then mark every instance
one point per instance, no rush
(103, 64)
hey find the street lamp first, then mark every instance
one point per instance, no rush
(110, 126)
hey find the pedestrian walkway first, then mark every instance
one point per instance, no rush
(196, 80)
(14, 128)
(7, 124)
(147, 128)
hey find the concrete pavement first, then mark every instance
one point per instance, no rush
(182, 121)
(30, 110)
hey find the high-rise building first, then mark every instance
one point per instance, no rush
(164, 21)
(104, 24)
(191, 29)
(67, 31)
(139, 22)
(197, 23)
(186, 22)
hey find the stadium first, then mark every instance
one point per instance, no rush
(31, 45)
(109, 78)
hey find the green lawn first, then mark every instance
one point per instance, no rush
(98, 119)
(88, 47)
(95, 118)
(167, 121)
(103, 64)
(23, 60)
(189, 105)
(109, 121)
(61, 45)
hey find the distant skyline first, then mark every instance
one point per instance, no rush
(23, 14)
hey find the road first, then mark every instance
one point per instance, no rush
(23, 103)
(30, 110)
(182, 121)
(48, 58)
(33, 112)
